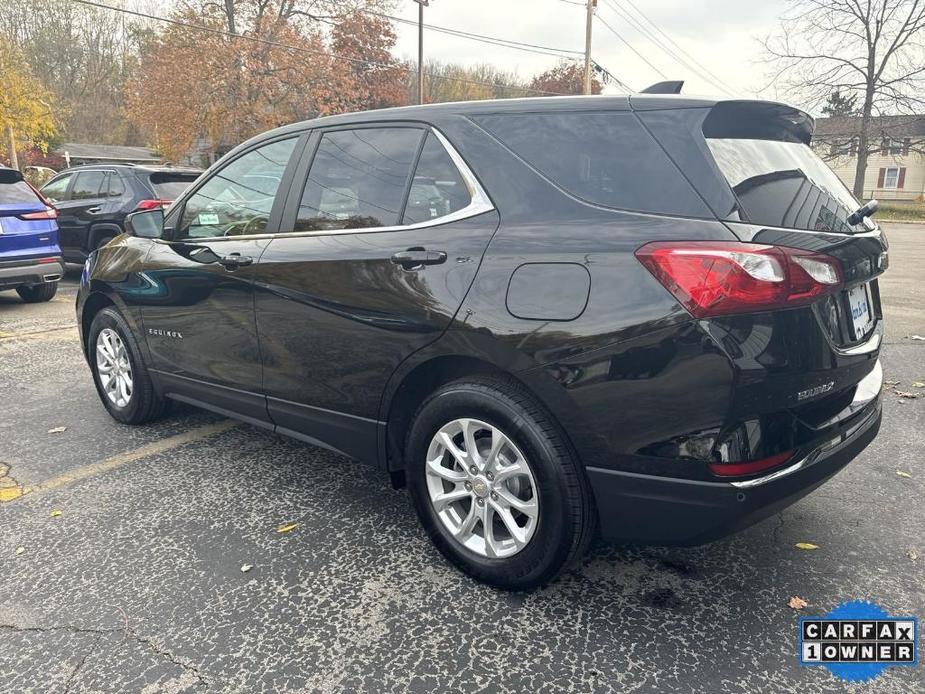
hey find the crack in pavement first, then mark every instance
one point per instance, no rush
(80, 663)
(130, 634)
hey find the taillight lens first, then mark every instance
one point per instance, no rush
(713, 278)
(153, 204)
(47, 213)
(750, 467)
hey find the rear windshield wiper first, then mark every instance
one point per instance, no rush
(863, 212)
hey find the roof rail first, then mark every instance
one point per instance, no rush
(669, 87)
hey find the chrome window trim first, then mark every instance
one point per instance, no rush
(479, 203)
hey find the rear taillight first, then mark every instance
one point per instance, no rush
(714, 278)
(153, 204)
(750, 467)
(47, 213)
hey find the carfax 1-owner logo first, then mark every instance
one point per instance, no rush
(858, 640)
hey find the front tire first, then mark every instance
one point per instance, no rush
(38, 292)
(122, 380)
(496, 485)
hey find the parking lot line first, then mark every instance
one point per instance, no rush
(121, 459)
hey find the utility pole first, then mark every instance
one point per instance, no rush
(14, 160)
(421, 5)
(592, 4)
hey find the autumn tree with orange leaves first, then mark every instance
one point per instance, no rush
(215, 81)
(564, 78)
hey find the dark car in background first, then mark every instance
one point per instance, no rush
(656, 315)
(92, 201)
(30, 259)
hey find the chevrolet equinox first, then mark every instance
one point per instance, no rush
(652, 316)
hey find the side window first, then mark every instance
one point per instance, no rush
(56, 190)
(606, 158)
(87, 185)
(116, 186)
(358, 179)
(237, 199)
(438, 189)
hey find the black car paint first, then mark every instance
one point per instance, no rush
(84, 223)
(632, 378)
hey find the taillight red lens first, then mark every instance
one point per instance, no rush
(750, 467)
(713, 278)
(47, 213)
(153, 204)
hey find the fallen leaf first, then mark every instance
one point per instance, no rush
(891, 383)
(55, 513)
(918, 337)
(57, 430)
(806, 545)
(918, 384)
(286, 527)
(20, 550)
(913, 555)
(907, 395)
(902, 473)
(796, 603)
(246, 567)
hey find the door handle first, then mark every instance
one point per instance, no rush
(234, 260)
(418, 257)
(95, 210)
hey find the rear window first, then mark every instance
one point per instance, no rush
(776, 178)
(170, 186)
(605, 158)
(13, 189)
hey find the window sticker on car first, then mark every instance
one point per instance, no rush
(208, 219)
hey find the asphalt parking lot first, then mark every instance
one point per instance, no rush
(121, 554)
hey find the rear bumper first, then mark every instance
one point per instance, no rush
(30, 272)
(663, 510)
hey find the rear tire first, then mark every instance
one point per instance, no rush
(115, 360)
(38, 292)
(551, 486)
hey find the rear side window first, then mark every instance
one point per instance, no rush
(170, 186)
(437, 188)
(13, 189)
(56, 190)
(358, 179)
(116, 186)
(87, 185)
(607, 159)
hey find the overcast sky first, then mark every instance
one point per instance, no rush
(720, 34)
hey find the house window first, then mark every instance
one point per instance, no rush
(884, 147)
(853, 147)
(907, 141)
(891, 178)
(895, 147)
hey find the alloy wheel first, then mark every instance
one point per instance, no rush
(482, 488)
(114, 367)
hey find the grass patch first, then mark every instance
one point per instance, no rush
(908, 212)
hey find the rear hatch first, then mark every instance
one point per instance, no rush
(799, 364)
(167, 186)
(27, 224)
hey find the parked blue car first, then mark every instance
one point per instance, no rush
(30, 258)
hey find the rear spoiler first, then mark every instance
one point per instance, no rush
(669, 87)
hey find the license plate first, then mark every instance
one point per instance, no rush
(861, 317)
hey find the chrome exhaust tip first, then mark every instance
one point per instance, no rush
(51, 278)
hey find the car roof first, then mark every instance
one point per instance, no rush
(424, 112)
(138, 168)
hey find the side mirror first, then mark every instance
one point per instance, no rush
(147, 224)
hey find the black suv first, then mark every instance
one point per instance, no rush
(92, 201)
(653, 315)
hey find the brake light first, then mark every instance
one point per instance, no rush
(43, 261)
(713, 278)
(153, 204)
(47, 213)
(751, 467)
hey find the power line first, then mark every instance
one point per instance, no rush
(496, 40)
(630, 46)
(690, 64)
(302, 49)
